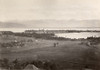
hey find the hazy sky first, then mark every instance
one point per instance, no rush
(49, 9)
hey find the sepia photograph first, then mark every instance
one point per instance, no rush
(49, 34)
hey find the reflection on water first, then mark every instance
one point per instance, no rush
(78, 35)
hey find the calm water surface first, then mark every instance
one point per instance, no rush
(78, 35)
(66, 35)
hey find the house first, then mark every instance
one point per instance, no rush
(30, 31)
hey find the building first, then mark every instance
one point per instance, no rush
(35, 31)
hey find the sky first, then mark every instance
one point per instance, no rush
(49, 9)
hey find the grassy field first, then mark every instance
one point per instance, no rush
(67, 54)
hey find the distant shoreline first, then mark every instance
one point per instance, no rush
(51, 30)
(79, 29)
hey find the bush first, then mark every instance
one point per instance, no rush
(4, 63)
(94, 40)
(20, 65)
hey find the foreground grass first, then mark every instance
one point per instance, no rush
(68, 54)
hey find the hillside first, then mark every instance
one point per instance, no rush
(50, 23)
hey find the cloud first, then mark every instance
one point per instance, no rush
(49, 9)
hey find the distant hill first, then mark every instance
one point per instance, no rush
(11, 25)
(50, 23)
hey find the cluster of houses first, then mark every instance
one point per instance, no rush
(39, 31)
(28, 31)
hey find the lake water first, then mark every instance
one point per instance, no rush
(67, 35)
(78, 35)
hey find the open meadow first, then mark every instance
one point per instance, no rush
(67, 54)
